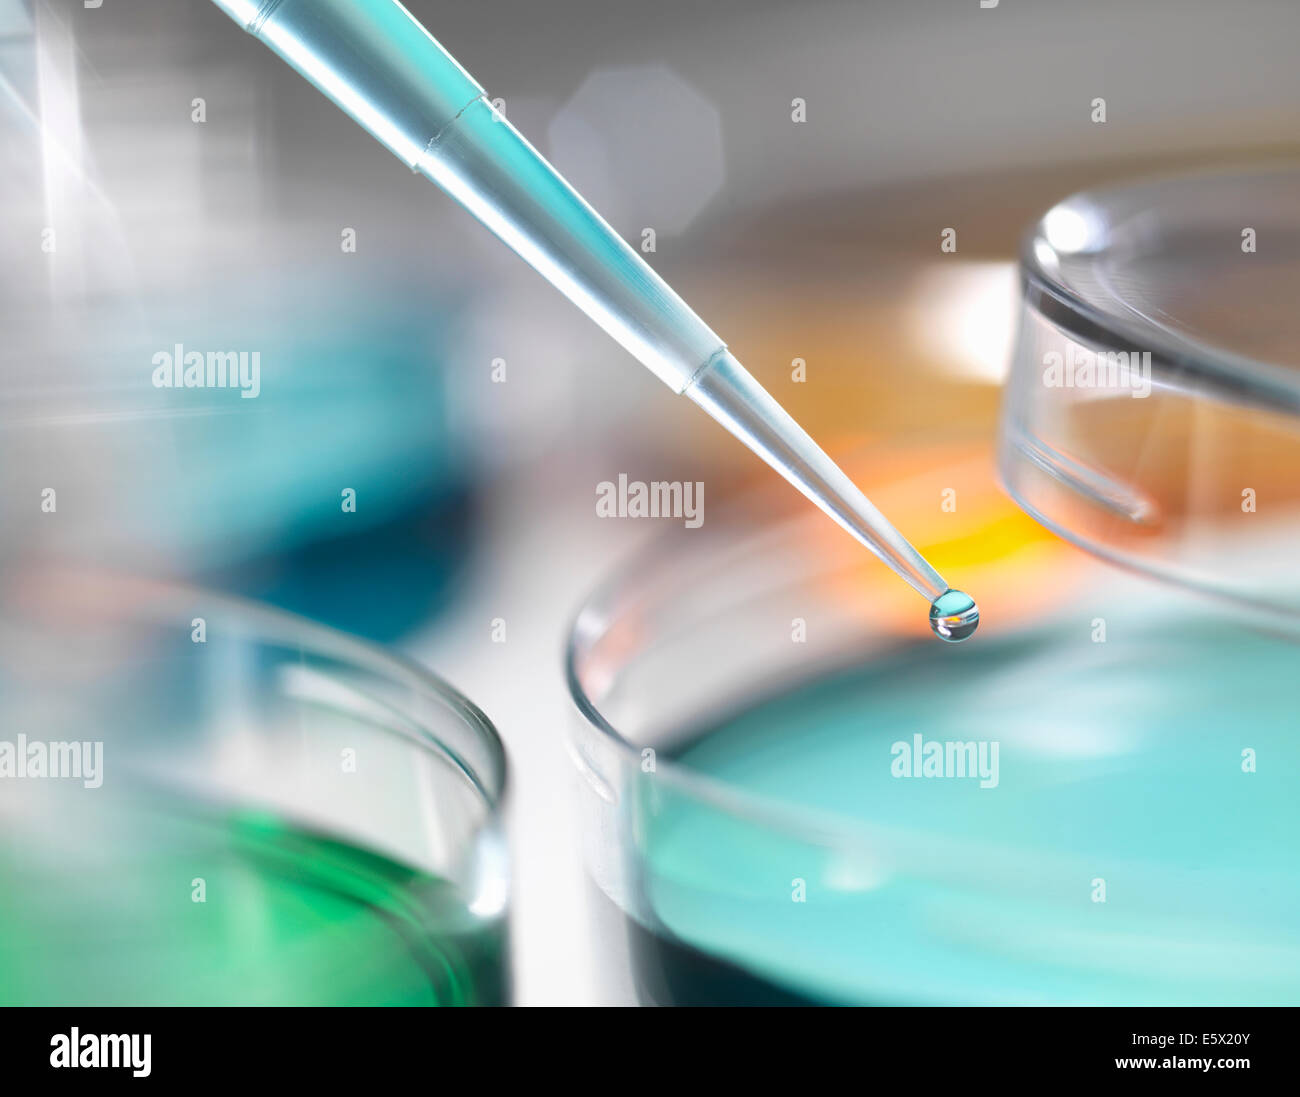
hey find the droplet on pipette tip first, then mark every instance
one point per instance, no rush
(954, 616)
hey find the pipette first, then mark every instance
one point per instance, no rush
(376, 62)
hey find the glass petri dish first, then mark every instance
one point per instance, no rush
(1153, 410)
(206, 802)
(794, 794)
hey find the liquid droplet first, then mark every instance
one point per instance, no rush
(954, 616)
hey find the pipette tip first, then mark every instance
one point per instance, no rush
(954, 616)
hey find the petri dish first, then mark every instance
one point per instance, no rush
(1152, 414)
(208, 802)
(794, 794)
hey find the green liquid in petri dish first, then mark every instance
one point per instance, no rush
(289, 917)
(1140, 845)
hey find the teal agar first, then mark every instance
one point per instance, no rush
(1140, 845)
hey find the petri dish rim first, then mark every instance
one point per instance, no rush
(748, 530)
(816, 827)
(131, 598)
(1069, 296)
(1193, 357)
(393, 890)
(621, 829)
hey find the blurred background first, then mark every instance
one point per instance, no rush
(170, 182)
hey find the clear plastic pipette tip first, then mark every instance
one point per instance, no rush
(396, 81)
(727, 391)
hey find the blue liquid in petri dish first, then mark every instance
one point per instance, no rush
(1134, 840)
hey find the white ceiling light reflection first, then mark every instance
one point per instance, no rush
(963, 316)
(1073, 229)
(61, 148)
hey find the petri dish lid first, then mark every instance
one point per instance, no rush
(1152, 414)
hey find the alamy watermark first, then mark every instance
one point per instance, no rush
(36, 759)
(217, 369)
(657, 499)
(1080, 368)
(946, 758)
(114, 1051)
